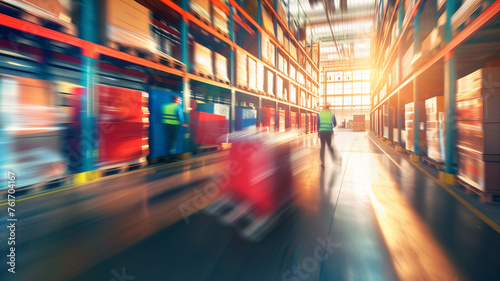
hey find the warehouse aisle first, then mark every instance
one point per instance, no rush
(354, 220)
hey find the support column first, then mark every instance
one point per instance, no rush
(450, 76)
(233, 110)
(88, 138)
(259, 112)
(400, 72)
(416, 90)
(259, 36)
(232, 71)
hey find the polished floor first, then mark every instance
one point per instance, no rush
(369, 215)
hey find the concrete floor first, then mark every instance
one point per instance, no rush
(368, 215)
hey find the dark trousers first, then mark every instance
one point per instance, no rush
(172, 131)
(326, 139)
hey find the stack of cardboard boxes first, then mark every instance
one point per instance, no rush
(434, 108)
(358, 123)
(478, 125)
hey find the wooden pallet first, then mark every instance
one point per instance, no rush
(199, 17)
(13, 11)
(132, 50)
(122, 168)
(170, 62)
(243, 87)
(223, 81)
(204, 75)
(433, 163)
(483, 196)
(262, 93)
(221, 32)
(207, 148)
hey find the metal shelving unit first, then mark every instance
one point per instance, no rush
(458, 49)
(90, 52)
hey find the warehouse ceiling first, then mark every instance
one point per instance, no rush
(344, 27)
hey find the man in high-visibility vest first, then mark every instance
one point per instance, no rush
(326, 124)
(172, 118)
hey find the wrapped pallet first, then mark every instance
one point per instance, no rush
(411, 127)
(270, 82)
(293, 51)
(46, 13)
(167, 39)
(293, 72)
(268, 50)
(282, 12)
(252, 74)
(201, 8)
(279, 88)
(221, 72)
(127, 22)
(279, 35)
(282, 64)
(478, 126)
(434, 108)
(241, 69)
(300, 78)
(219, 20)
(293, 94)
(260, 77)
(267, 21)
(202, 60)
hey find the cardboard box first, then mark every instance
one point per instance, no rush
(127, 22)
(201, 7)
(252, 74)
(261, 74)
(270, 83)
(221, 67)
(241, 69)
(202, 59)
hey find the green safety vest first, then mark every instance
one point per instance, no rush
(325, 120)
(169, 116)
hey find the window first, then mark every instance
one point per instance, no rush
(356, 100)
(366, 88)
(348, 76)
(338, 88)
(366, 100)
(356, 75)
(338, 76)
(366, 74)
(347, 100)
(356, 88)
(337, 100)
(347, 88)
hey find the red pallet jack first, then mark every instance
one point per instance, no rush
(260, 188)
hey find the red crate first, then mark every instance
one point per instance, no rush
(281, 120)
(268, 119)
(207, 128)
(293, 121)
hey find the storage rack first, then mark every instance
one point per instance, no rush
(90, 53)
(462, 44)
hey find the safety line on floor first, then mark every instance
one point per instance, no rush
(471, 208)
(102, 179)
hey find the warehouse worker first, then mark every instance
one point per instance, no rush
(326, 124)
(173, 118)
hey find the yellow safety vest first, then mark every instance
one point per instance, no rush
(325, 120)
(169, 116)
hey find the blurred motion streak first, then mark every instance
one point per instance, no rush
(415, 253)
(260, 187)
